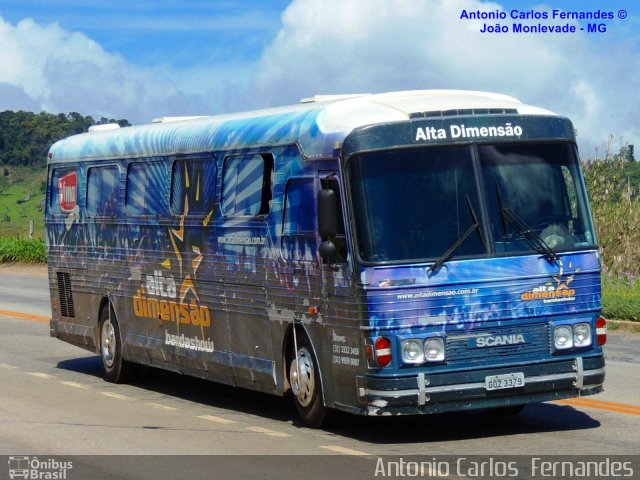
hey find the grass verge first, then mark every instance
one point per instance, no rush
(25, 251)
(621, 298)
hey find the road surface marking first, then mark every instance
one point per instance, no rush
(41, 375)
(76, 385)
(266, 431)
(159, 406)
(601, 405)
(117, 396)
(8, 367)
(25, 316)
(346, 451)
(211, 418)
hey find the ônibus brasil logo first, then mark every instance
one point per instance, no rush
(68, 192)
(38, 469)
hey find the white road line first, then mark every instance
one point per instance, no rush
(159, 406)
(266, 431)
(346, 451)
(211, 418)
(117, 396)
(8, 367)
(41, 375)
(76, 385)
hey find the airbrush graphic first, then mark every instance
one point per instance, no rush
(67, 193)
(160, 296)
(558, 292)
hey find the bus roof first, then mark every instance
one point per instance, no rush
(318, 125)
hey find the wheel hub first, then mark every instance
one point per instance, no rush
(108, 343)
(302, 376)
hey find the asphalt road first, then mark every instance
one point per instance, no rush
(53, 401)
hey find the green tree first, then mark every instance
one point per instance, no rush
(25, 137)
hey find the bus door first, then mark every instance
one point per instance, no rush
(336, 271)
(342, 332)
(299, 247)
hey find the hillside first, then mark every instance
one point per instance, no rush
(22, 193)
(25, 138)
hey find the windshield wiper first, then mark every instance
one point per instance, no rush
(449, 253)
(535, 240)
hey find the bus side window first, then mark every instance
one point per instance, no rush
(102, 191)
(247, 185)
(193, 186)
(146, 189)
(63, 191)
(298, 229)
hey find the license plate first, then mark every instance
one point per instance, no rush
(500, 382)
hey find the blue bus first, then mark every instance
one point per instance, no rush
(400, 253)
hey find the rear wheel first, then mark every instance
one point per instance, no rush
(304, 378)
(115, 368)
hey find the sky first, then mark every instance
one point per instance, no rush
(144, 59)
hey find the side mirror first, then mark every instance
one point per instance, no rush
(327, 250)
(327, 207)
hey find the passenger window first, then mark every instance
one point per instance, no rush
(299, 219)
(102, 191)
(146, 189)
(247, 185)
(193, 186)
(63, 190)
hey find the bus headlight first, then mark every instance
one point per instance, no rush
(412, 351)
(582, 334)
(434, 349)
(563, 337)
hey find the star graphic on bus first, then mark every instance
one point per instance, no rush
(563, 283)
(187, 256)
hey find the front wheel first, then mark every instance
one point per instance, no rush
(304, 378)
(116, 369)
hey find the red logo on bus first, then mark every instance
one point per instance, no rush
(68, 191)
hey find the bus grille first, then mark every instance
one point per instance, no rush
(459, 351)
(67, 308)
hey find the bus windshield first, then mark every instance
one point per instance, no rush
(416, 205)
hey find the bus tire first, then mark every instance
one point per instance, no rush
(116, 369)
(306, 386)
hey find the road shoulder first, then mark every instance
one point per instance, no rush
(23, 269)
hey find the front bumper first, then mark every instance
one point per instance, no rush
(443, 392)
